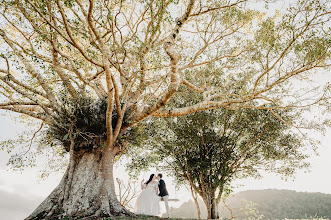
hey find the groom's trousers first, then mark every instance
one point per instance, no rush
(165, 199)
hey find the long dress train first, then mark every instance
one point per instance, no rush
(148, 202)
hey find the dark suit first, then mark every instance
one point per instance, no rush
(164, 195)
(162, 188)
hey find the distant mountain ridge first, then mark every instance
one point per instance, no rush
(271, 203)
(280, 204)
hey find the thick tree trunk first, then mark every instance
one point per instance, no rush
(206, 200)
(211, 205)
(86, 190)
(214, 209)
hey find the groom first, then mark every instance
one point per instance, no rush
(163, 192)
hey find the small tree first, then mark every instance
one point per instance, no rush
(208, 150)
(127, 192)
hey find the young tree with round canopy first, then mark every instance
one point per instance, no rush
(209, 150)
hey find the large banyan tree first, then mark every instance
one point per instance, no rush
(92, 70)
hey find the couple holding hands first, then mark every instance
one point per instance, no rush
(148, 201)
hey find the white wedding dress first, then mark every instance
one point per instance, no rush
(148, 202)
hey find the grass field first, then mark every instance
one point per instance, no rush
(144, 217)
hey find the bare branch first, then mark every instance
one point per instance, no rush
(73, 41)
(169, 47)
(26, 112)
(201, 12)
(193, 87)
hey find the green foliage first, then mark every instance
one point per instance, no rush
(213, 141)
(28, 146)
(86, 119)
(210, 149)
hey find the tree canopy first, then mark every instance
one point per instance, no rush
(139, 53)
(209, 150)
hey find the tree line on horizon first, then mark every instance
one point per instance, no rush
(265, 204)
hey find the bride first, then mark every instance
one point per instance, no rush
(147, 202)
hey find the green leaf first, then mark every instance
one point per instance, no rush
(65, 137)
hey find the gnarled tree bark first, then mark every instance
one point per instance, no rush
(86, 189)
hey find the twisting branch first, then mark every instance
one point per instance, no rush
(49, 93)
(17, 103)
(193, 87)
(26, 112)
(126, 192)
(19, 83)
(201, 12)
(72, 39)
(169, 47)
(111, 84)
(33, 137)
(31, 97)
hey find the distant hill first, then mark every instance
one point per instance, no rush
(271, 203)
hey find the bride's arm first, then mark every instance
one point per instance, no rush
(142, 185)
(157, 188)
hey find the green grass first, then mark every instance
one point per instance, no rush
(145, 217)
(141, 217)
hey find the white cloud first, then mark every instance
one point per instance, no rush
(17, 206)
(21, 193)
